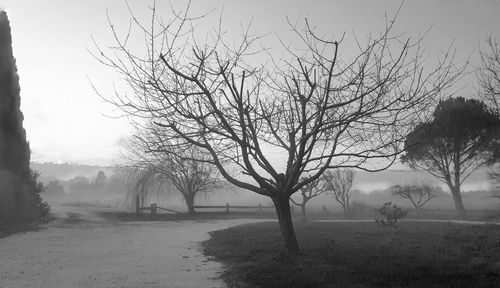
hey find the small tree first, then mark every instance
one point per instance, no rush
(79, 183)
(100, 179)
(392, 215)
(460, 139)
(309, 191)
(418, 195)
(54, 189)
(338, 182)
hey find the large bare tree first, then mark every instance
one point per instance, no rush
(339, 185)
(276, 119)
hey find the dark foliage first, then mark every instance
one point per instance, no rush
(391, 214)
(461, 138)
(54, 189)
(20, 192)
(14, 149)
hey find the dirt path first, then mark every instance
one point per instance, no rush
(83, 250)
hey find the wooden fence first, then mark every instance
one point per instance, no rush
(227, 207)
(153, 208)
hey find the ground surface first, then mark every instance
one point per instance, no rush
(81, 249)
(360, 254)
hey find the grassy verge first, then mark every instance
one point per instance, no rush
(360, 255)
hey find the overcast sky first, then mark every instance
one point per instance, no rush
(65, 120)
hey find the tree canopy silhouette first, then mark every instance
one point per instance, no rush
(20, 193)
(461, 138)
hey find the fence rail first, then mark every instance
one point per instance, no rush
(227, 207)
(153, 208)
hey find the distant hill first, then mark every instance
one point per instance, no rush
(51, 171)
(364, 181)
(367, 181)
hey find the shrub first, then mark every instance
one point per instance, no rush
(392, 214)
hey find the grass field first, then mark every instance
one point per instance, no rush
(360, 255)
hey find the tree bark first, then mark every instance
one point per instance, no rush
(303, 211)
(303, 207)
(346, 211)
(282, 206)
(417, 210)
(457, 198)
(189, 198)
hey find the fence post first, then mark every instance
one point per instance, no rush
(227, 207)
(260, 208)
(137, 211)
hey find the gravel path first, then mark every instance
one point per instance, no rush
(82, 250)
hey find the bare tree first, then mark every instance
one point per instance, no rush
(339, 185)
(311, 107)
(143, 184)
(157, 167)
(488, 74)
(309, 191)
(418, 195)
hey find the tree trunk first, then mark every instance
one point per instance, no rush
(457, 198)
(417, 210)
(303, 211)
(303, 207)
(189, 198)
(282, 206)
(346, 211)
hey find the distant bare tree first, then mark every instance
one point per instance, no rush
(339, 185)
(309, 191)
(315, 109)
(155, 167)
(418, 195)
(489, 73)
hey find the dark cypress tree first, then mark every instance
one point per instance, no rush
(14, 149)
(19, 190)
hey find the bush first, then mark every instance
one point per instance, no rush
(36, 188)
(20, 199)
(392, 214)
